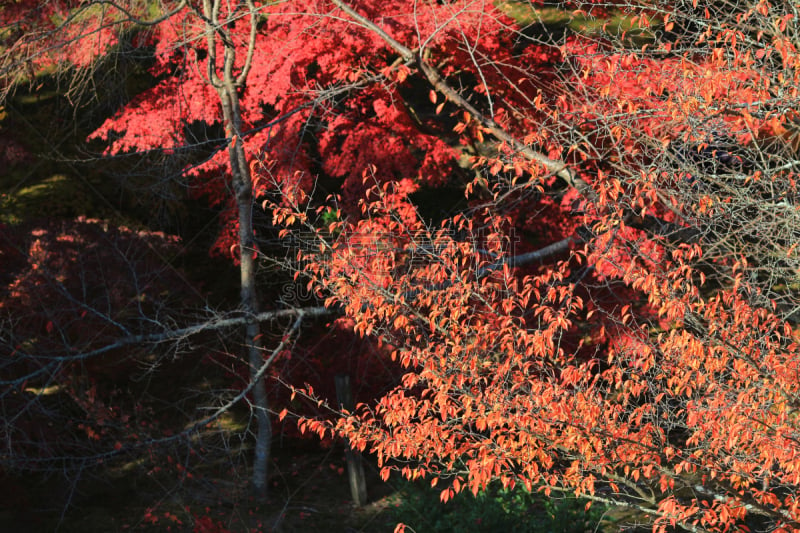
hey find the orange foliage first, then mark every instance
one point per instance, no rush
(654, 363)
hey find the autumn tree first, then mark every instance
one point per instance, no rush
(572, 226)
(638, 346)
(76, 37)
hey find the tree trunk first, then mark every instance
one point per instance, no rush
(355, 466)
(243, 188)
(227, 82)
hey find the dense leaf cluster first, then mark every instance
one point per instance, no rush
(608, 308)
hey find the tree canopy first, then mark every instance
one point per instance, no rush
(573, 226)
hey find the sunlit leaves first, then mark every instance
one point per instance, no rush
(638, 379)
(654, 358)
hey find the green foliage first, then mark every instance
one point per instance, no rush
(612, 23)
(495, 509)
(57, 196)
(329, 217)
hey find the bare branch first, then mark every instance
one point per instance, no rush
(251, 45)
(558, 168)
(165, 336)
(136, 20)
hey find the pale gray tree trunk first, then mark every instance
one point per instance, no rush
(227, 82)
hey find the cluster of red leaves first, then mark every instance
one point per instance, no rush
(47, 36)
(86, 280)
(68, 288)
(685, 403)
(315, 101)
(497, 387)
(612, 372)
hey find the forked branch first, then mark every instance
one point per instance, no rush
(434, 77)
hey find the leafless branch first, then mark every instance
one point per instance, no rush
(170, 335)
(434, 77)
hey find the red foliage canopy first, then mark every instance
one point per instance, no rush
(612, 314)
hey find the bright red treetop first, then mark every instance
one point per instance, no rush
(328, 100)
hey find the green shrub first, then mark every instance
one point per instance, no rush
(495, 509)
